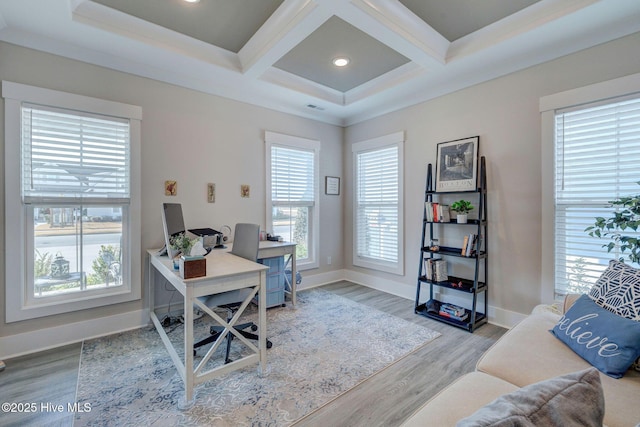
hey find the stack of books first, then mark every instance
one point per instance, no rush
(435, 269)
(436, 212)
(471, 245)
(453, 312)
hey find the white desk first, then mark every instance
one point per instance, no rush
(225, 272)
(268, 249)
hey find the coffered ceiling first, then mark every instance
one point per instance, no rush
(278, 53)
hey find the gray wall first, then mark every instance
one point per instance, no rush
(189, 137)
(505, 113)
(196, 138)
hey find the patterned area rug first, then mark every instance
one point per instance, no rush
(322, 348)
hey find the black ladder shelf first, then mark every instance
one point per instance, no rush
(473, 287)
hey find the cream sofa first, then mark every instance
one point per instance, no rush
(526, 354)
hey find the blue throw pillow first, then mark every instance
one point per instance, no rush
(609, 342)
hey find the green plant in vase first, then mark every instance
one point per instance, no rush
(462, 209)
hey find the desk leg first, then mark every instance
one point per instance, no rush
(150, 287)
(188, 350)
(262, 324)
(293, 277)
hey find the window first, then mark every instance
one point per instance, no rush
(292, 187)
(71, 193)
(378, 213)
(593, 140)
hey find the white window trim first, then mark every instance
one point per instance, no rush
(17, 308)
(396, 139)
(548, 105)
(297, 142)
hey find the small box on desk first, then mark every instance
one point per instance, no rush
(191, 267)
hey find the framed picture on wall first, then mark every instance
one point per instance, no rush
(332, 185)
(457, 165)
(171, 188)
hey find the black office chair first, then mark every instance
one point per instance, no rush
(245, 245)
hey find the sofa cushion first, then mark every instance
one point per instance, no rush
(574, 399)
(455, 402)
(618, 290)
(609, 342)
(528, 353)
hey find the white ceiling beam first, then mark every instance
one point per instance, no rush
(391, 23)
(393, 78)
(291, 23)
(312, 89)
(524, 21)
(131, 27)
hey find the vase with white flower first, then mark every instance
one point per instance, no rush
(183, 243)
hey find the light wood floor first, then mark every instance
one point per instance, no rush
(47, 377)
(391, 396)
(385, 399)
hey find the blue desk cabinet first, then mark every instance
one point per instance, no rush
(275, 280)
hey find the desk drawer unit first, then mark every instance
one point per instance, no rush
(275, 280)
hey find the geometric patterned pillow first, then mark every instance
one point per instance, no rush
(618, 290)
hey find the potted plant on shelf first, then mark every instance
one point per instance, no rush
(462, 209)
(625, 220)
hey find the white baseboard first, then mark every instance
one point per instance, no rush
(44, 339)
(385, 285)
(320, 279)
(496, 316)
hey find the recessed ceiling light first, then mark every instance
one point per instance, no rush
(192, 1)
(341, 61)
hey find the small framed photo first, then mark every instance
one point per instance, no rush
(170, 188)
(211, 192)
(245, 191)
(457, 165)
(332, 185)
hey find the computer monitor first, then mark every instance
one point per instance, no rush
(173, 223)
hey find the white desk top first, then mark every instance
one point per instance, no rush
(266, 244)
(219, 264)
(263, 246)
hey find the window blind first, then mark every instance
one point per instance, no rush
(377, 195)
(71, 156)
(292, 176)
(597, 158)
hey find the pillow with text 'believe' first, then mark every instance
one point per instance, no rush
(607, 341)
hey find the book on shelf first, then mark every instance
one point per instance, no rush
(435, 269)
(427, 268)
(440, 272)
(462, 318)
(470, 247)
(436, 212)
(428, 211)
(454, 310)
(443, 213)
(465, 241)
